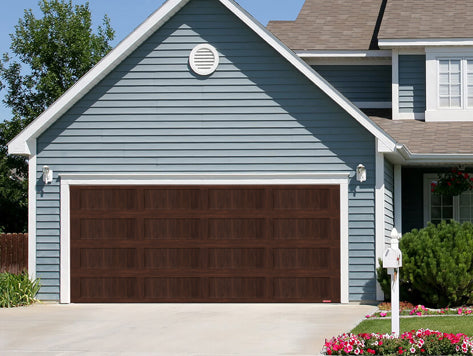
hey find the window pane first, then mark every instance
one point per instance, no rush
(470, 101)
(456, 90)
(436, 213)
(436, 201)
(443, 64)
(447, 200)
(455, 102)
(455, 79)
(447, 213)
(470, 78)
(444, 79)
(444, 90)
(470, 65)
(444, 102)
(455, 66)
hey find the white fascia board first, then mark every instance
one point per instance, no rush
(19, 145)
(313, 76)
(344, 54)
(424, 42)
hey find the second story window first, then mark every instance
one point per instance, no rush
(455, 79)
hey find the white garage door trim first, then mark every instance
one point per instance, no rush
(341, 179)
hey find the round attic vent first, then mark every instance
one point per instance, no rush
(204, 59)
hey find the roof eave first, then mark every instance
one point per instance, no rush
(391, 43)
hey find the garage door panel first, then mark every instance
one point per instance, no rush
(236, 199)
(237, 288)
(236, 229)
(172, 199)
(302, 287)
(107, 258)
(301, 199)
(173, 288)
(236, 258)
(172, 258)
(105, 229)
(172, 229)
(304, 258)
(105, 199)
(109, 288)
(307, 229)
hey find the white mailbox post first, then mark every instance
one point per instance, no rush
(392, 260)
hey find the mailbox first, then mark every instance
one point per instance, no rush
(392, 258)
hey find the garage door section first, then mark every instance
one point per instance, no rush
(205, 244)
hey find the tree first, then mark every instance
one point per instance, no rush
(50, 54)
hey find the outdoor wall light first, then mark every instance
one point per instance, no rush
(361, 173)
(47, 175)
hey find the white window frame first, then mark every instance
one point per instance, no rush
(435, 112)
(68, 180)
(428, 179)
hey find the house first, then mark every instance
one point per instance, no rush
(209, 159)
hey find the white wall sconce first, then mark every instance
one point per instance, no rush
(47, 175)
(361, 173)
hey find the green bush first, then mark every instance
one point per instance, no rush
(437, 266)
(17, 290)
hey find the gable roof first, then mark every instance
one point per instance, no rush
(427, 19)
(331, 25)
(20, 144)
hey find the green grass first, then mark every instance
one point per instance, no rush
(446, 324)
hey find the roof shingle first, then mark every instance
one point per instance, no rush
(427, 19)
(330, 25)
(430, 137)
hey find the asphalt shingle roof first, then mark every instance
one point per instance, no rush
(429, 137)
(416, 19)
(330, 25)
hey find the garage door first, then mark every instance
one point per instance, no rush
(205, 244)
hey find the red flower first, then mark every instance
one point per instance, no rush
(422, 350)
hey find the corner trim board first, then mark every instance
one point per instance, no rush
(32, 211)
(379, 203)
(67, 180)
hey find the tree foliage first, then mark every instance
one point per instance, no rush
(49, 54)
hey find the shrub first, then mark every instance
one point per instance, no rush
(437, 266)
(420, 342)
(17, 290)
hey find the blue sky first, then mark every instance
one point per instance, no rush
(126, 15)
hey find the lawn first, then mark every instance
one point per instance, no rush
(446, 324)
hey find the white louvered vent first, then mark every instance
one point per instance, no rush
(204, 59)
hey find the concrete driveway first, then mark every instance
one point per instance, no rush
(172, 329)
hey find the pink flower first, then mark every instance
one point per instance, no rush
(383, 314)
(368, 316)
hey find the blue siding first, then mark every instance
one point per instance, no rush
(360, 83)
(255, 114)
(412, 83)
(388, 198)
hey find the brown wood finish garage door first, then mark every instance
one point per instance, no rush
(205, 244)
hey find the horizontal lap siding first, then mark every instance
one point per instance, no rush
(388, 198)
(368, 83)
(412, 79)
(256, 113)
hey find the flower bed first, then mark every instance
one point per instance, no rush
(421, 310)
(420, 342)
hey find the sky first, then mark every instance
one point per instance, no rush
(126, 15)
